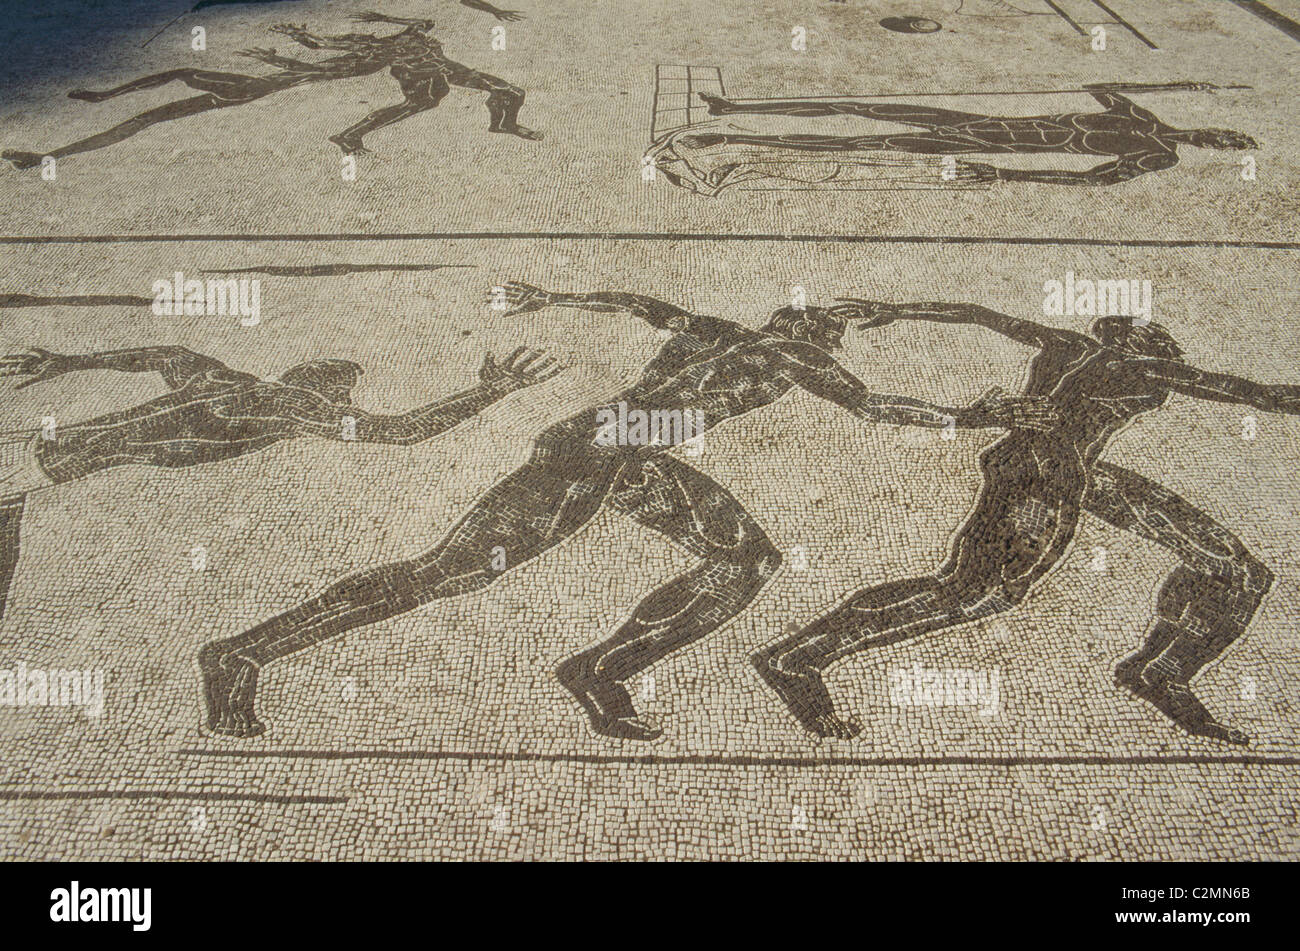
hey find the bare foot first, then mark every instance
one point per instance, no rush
(523, 132)
(702, 140)
(349, 146)
(717, 105)
(241, 725)
(21, 159)
(1177, 702)
(628, 728)
(831, 725)
(805, 697)
(607, 703)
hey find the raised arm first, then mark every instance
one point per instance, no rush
(311, 41)
(272, 58)
(344, 422)
(524, 298)
(495, 11)
(1223, 387)
(880, 313)
(1111, 96)
(178, 366)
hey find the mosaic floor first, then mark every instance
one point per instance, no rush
(670, 430)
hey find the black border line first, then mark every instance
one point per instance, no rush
(25, 795)
(710, 759)
(996, 240)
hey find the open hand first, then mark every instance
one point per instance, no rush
(36, 364)
(1188, 86)
(522, 368)
(524, 298)
(977, 172)
(865, 313)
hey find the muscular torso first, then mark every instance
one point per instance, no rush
(1080, 133)
(191, 426)
(739, 373)
(1096, 391)
(415, 55)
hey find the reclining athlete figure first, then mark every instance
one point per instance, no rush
(710, 366)
(1135, 139)
(214, 413)
(1036, 484)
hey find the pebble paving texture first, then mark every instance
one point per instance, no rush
(649, 430)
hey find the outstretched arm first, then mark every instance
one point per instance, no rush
(524, 298)
(522, 368)
(271, 58)
(177, 365)
(311, 41)
(880, 313)
(1223, 387)
(816, 371)
(495, 11)
(1109, 95)
(1107, 173)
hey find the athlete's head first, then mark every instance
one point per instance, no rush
(815, 325)
(1222, 139)
(332, 379)
(1148, 340)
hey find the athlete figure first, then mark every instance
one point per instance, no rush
(426, 76)
(1137, 141)
(214, 413)
(709, 365)
(413, 58)
(1036, 483)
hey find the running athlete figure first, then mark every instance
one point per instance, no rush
(214, 413)
(1135, 138)
(1036, 483)
(414, 59)
(426, 76)
(709, 366)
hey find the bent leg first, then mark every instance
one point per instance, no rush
(124, 130)
(503, 103)
(1204, 605)
(1020, 528)
(519, 518)
(737, 559)
(227, 85)
(422, 93)
(11, 517)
